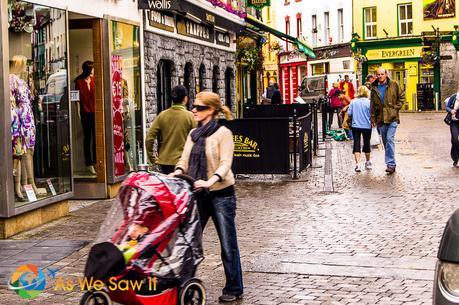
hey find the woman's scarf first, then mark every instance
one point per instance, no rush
(197, 168)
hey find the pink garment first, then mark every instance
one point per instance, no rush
(335, 102)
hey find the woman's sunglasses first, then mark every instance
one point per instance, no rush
(200, 107)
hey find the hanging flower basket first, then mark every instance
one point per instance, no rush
(252, 57)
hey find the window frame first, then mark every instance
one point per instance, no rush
(405, 22)
(314, 26)
(340, 13)
(327, 33)
(371, 24)
(299, 26)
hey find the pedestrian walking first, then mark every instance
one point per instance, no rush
(452, 107)
(170, 128)
(276, 98)
(369, 80)
(335, 105)
(347, 87)
(207, 157)
(387, 98)
(268, 94)
(346, 101)
(359, 111)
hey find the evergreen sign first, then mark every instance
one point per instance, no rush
(258, 4)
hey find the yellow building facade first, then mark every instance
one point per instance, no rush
(270, 58)
(407, 39)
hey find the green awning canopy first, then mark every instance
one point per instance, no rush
(301, 45)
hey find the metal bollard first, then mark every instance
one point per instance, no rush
(295, 145)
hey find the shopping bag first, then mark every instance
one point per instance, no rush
(375, 139)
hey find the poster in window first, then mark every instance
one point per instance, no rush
(437, 9)
(117, 98)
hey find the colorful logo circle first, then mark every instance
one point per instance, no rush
(28, 281)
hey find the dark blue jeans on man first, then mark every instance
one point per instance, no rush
(222, 210)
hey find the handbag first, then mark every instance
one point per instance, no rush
(448, 118)
(375, 139)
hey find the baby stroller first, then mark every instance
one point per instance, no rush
(150, 246)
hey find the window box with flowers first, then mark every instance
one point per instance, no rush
(250, 57)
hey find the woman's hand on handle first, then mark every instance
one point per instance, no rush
(206, 183)
(176, 172)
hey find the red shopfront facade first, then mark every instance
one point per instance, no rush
(293, 67)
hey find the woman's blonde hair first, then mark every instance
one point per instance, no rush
(212, 99)
(363, 91)
(335, 85)
(18, 64)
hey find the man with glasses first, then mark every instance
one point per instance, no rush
(171, 128)
(387, 98)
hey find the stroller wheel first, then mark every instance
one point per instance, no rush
(95, 298)
(192, 293)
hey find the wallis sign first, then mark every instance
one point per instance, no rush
(160, 5)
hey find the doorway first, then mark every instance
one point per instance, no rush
(88, 134)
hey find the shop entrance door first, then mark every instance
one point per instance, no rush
(87, 126)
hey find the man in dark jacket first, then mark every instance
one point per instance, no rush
(387, 98)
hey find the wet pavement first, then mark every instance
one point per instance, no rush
(332, 237)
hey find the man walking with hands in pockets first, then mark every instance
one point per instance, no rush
(387, 98)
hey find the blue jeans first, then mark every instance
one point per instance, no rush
(349, 134)
(387, 132)
(223, 211)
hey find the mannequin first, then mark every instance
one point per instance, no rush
(85, 84)
(23, 98)
(17, 147)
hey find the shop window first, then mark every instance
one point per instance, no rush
(370, 28)
(126, 102)
(215, 79)
(405, 19)
(39, 102)
(202, 76)
(188, 80)
(346, 64)
(228, 87)
(320, 68)
(163, 87)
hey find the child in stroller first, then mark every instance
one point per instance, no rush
(155, 250)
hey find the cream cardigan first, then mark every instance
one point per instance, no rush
(219, 153)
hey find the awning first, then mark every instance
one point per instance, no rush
(301, 45)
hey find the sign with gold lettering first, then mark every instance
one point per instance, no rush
(258, 4)
(161, 21)
(394, 53)
(196, 30)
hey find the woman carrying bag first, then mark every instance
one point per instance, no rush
(207, 157)
(452, 107)
(359, 111)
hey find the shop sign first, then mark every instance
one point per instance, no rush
(394, 53)
(196, 30)
(258, 4)
(329, 53)
(159, 5)
(161, 21)
(245, 147)
(117, 105)
(438, 9)
(222, 38)
(292, 57)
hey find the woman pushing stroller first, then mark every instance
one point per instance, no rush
(207, 157)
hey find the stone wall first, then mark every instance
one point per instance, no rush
(449, 71)
(180, 52)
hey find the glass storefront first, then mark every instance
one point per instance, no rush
(39, 101)
(126, 103)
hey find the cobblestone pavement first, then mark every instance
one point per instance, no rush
(371, 241)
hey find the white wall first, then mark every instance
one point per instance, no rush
(307, 8)
(125, 9)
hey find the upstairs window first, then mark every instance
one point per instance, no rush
(370, 22)
(405, 19)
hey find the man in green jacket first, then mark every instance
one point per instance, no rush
(171, 128)
(387, 98)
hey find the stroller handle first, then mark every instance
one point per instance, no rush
(190, 181)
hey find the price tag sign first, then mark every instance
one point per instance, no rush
(30, 193)
(74, 95)
(51, 187)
